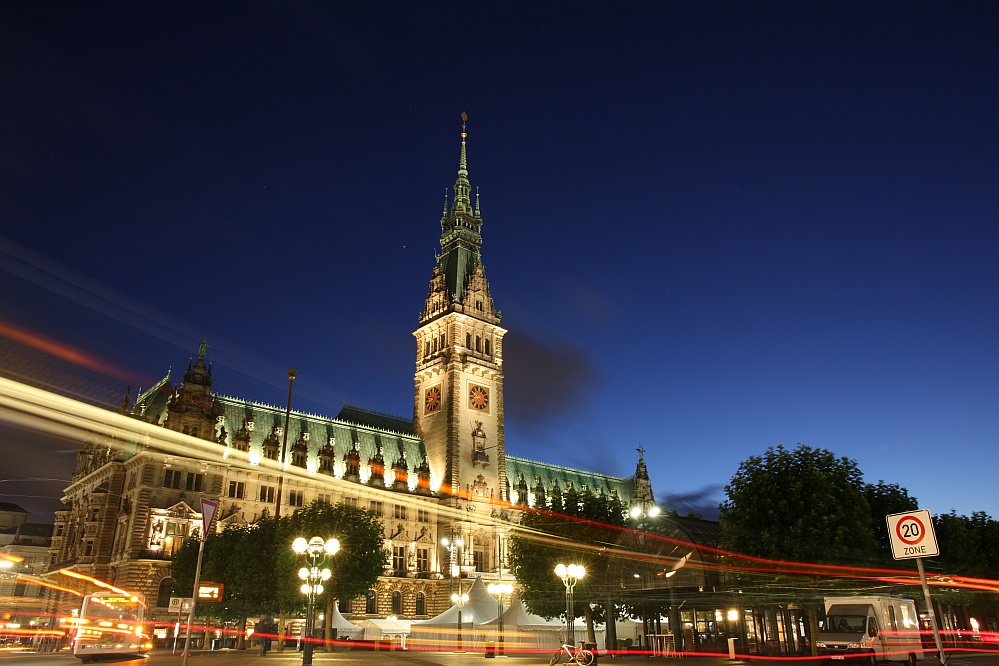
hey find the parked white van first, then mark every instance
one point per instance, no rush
(870, 629)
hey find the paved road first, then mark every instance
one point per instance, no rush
(417, 658)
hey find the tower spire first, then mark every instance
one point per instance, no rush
(462, 188)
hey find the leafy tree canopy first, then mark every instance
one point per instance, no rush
(578, 534)
(884, 500)
(259, 569)
(805, 505)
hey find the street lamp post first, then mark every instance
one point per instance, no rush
(292, 373)
(458, 597)
(459, 600)
(570, 575)
(642, 514)
(315, 550)
(499, 589)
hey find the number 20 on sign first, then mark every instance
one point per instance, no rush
(912, 535)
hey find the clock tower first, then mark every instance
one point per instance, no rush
(458, 407)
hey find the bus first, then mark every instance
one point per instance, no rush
(110, 625)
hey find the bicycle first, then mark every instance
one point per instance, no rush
(577, 655)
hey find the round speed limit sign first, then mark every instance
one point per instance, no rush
(912, 535)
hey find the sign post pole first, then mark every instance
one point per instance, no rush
(929, 606)
(208, 510)
(912, 537)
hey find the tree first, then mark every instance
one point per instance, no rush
(884, 500)
(258, 567)
(581, 535)
(804, 505)
(361, 558)
(248, 561)
(960, 541)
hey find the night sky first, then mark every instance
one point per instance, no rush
(711, 227)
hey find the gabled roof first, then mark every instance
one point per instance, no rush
(376, 420)
(42, 530)
(10, 507)
(694, 530)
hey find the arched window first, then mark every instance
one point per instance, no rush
(397, 603)
(478, 343)
(163, 594)
(426, 348)
(468, 340)
(488, 352)
(421, 603)
(371, 605)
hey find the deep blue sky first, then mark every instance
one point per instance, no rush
(711, 227)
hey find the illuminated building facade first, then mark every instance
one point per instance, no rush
(131, 504)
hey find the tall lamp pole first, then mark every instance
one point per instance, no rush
(499, 589)
(292, 373)
(315, 550)
(570, 575)
(456, 597)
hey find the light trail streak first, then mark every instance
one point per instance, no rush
(96, 581)
(49, 412)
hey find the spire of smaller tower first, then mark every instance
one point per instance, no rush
(445, 202)
(477, 213)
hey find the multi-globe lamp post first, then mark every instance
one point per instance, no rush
(315, 550)
(458, 598)
(499, 589)
(570, 575)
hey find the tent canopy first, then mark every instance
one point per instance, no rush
(481, 607)
(376, 628)
(518, 616)
(342, 624)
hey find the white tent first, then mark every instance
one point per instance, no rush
(479, 609)
(395, 630)
(523, 630)
(343, 626)
(443, 631)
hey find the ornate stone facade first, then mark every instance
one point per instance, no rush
(133, 502)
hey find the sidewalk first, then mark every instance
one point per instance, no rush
(423, 658)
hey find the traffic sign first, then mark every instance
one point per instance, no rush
(912, 535)
(180, 604)
(208, 510)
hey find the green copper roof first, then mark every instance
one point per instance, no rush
(549, 474)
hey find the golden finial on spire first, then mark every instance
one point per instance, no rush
(464, 121)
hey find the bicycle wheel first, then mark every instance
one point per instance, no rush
(584, 658)
(557, 657)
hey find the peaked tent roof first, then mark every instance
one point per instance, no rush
(480, 608)
(342, 624)
(517, 615)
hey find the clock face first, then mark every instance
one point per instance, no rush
(432, 399)
(478, 398)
